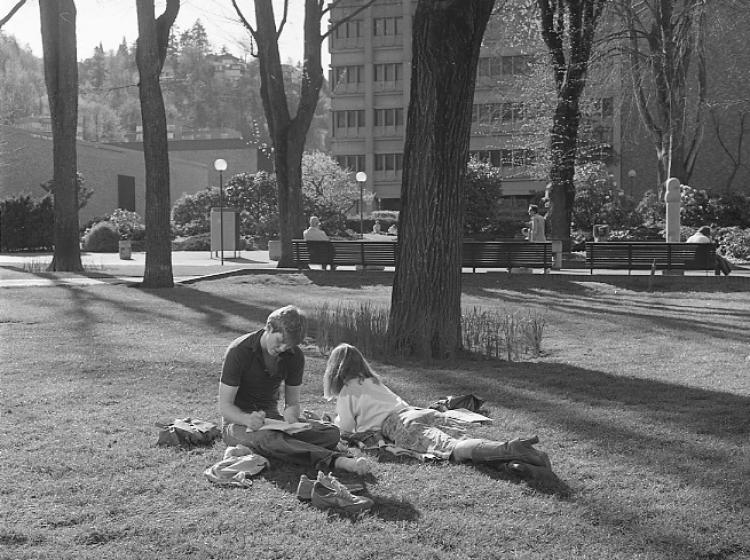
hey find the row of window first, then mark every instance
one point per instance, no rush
(381, 27)
(498, 66)
(483, 113)
(355, 74)
(383, 162)
(509, 112)
(355, 118)
(511, 157)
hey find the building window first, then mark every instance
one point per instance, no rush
(516, 157)
(126, 192)
(389, 162)
(352, 163)
(349, 29)
(349, 119)
(390, 72)
(389, 117)
(515, 65)
(386, 26)
(347, 75)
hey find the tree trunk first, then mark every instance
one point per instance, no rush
(564, 145)
(569, 65)
(425, 315)
(58, 21)
(150, 54)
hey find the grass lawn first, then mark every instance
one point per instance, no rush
(641, 399)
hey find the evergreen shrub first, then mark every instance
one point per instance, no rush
(27, 224)
(101, 238)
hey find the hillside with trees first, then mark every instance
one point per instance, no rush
(199, 92)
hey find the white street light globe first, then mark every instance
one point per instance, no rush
(361, 177)
(220, 165)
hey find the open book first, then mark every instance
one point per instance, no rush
(286, 427)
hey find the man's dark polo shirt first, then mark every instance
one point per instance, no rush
(258, 388)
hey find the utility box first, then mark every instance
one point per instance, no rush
(225, 231)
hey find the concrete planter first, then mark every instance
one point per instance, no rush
(125, 249)
(274, 250)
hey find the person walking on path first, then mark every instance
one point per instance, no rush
(255, 366)
(536, 224)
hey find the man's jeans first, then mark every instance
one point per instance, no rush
(315, 447)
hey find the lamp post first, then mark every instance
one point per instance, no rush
(361, 179)
(632, 174)
(221, 165)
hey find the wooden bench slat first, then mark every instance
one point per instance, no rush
(476, 254)
(640, 255)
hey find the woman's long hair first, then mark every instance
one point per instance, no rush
(344, 364)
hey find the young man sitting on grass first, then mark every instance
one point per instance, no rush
(255, 365)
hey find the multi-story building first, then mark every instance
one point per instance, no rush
(370, 82)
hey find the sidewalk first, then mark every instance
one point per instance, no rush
(29, 269)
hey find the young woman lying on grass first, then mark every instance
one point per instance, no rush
(365, 404)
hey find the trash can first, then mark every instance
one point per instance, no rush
(600, 232)
(225, 231)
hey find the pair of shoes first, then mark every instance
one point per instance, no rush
(328, 493)
(531, 472)
(305, 488)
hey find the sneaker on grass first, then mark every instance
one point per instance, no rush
(329, 493)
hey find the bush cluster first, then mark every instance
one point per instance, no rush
(27, 224)
(102, 237)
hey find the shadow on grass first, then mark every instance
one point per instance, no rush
(686, 431)
(286, 477)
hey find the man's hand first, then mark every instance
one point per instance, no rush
(255, 420)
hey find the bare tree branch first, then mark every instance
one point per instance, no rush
(283, 18)
(345, 19)
(13, 10)
(244, 21)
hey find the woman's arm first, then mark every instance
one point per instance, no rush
(347, 414)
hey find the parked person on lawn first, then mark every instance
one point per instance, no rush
(255, 366)
(365, 404)
(536, 224)
(703, 235)
(314, 233)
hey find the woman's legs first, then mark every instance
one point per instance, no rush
(488, 451)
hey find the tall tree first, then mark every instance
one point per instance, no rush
(425, 316)
(664, 38)
(568, 29)
(288, 132)
(58, 21)
(151, 50)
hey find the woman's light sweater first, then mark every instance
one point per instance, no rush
(363, 405)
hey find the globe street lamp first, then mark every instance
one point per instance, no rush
(632, 174)
(221, 165)
(361, 179)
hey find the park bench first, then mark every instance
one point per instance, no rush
(476, 254)
(507, 254)
(341, 253)
(647, 255)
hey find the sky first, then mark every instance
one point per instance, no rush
(108, 21)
